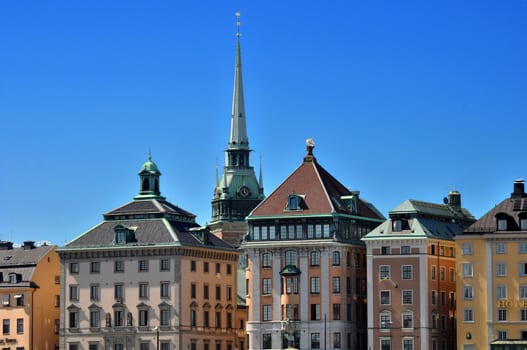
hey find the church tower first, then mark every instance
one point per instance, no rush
(238, 191)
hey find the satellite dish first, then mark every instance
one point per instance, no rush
(445, 200)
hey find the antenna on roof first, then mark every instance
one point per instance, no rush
(238, 24)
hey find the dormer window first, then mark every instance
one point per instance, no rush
(523, 224)
(13, 278)
(295, 202)
(502, 224)
(397, 225)
(123, 234)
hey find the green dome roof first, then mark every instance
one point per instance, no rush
(149, 166)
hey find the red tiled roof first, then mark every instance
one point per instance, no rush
(320, 190)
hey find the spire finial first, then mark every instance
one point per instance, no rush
(238, 24)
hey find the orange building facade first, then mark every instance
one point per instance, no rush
(30, 290)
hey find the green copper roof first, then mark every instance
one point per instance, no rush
(149, 166)
(238, 136)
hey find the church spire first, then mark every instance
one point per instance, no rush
(238, 137)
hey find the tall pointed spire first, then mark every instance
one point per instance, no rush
(238, 137)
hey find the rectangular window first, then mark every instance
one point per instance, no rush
(523, 291)
(407, 272)
(267, 286)
(385, 250)
(119, 266)
(206, 317)
(315, 285)
(385, 297)
(218, 292)
(74, 268)
(384, 272)
(523, 314)
(74, 292)
(119, 292)
(501, 269)
(408, 297)
(19, 299)
(193, 265)
(442, 273)
(205, 267)
(467, 292)
(266, 260)
(315, 340)
(143, 318)
(336, 311)
(408, 320)
(267, 341)
(205, 291)
(143, 265)
(95, 267)
(467, 269)
(434, 297)
(164, 265)
(336, 341)
(20, 326)
(405, 249)
(452, 275)
(165, 317)
(433, 273)
(466, 248)
(95, 319)
(501, 292)
(218, 268)
(468, 315)
(500, 248)
(523, 269)
(95, 292)
(502, 314)
(164, 289)
(229, 293)
(229, 269)
(315, 312)
(336, 285)
(336, 258)
(143, 290)
(502, 224)
(408, 344)
(74, 319)
(522, 246)
(218, 319)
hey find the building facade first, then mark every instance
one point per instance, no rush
(492, 277)
(411, 262)
(306, 273)
(30, 288)
(238, 191)
(148, 277)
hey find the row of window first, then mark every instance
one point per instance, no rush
(290, 258)
(408, 274)
(7, 299)
(467, 269)
(502, 314)
(163, 345)
(119, 294)
(205, 291)
(120, 317)
(336, 340)
(291, 285)
(143, 266)
(499, 248)
(6, 326)
(292, 312)
(385, 297)
(287, 232)
(406, 249)
(407, 321)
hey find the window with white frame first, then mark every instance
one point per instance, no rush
(523, 291)
(502, 314)
(522, 247)
(502, 334)
(408, 319)
(386, 344)
(408, 343)
(290, 258)
(95, 292)
(266, 260)
(386, 319)
(523, 314)
(501, 269)
(267, 286)
(405, 249)
(315, 285)
(468, 315)
(315, 258)
(501, 292)
(384, 272)
(502, 224)
(385, 297)
(407, 272)
(466, 269)
(336, 258)
(500, 248)
(523, 269)
(408, 296)
(466, 248)
(336, 285)
(267, 312)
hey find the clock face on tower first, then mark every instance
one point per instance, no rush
(244, 191)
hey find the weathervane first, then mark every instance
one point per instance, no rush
(238, 24)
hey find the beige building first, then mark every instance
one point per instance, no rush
(29, 286)
(411, 272)
(492, 277)
(148, 277)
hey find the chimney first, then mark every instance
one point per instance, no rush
(519, 189)
(454, 199)
(28, 245)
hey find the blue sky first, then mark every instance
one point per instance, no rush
(405, 99)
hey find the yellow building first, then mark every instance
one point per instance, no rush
(30, 289)
(492, 278)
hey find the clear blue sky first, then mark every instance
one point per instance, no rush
(405, 99)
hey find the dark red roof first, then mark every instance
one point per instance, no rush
(320, 190)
